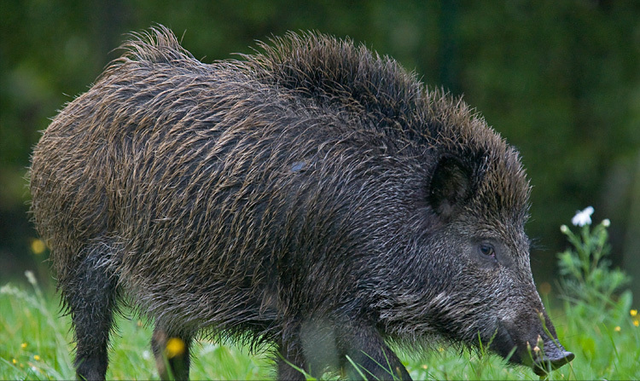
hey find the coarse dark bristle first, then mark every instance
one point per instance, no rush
(313, 186)
(386, 97)
(382, 95)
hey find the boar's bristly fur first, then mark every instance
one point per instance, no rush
(313, 195)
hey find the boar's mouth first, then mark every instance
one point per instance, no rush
(553, 358)
(543, 355)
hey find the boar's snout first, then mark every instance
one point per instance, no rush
(553, 357)
(528, 343)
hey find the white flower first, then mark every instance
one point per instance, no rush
(583, 217)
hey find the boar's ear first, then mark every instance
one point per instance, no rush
(450, 186)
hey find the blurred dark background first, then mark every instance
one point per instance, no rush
(560, 80)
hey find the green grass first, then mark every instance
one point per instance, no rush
(36, 344)
(595, 321)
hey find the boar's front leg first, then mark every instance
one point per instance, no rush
(323, 344)
(290, 361)
(373, 359)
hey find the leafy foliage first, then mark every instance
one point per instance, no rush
(588, 277)
(600, 326)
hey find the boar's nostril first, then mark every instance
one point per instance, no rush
(551, 362)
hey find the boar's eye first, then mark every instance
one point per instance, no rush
(487, 249)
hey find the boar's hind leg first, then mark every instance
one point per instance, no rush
(373, 359)
(90, 295)
(171, 351)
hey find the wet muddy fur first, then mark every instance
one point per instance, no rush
(313, 195)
